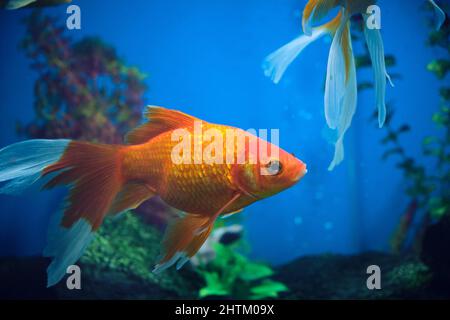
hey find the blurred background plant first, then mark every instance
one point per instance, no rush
(83, 89)
(428, 188)
(232, 275)
(228, 273)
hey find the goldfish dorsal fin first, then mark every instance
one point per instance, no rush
(159, 120)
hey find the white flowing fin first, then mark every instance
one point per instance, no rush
(16, 4)
(376, 50)
(349, 99)
(276, 63)
(336, 78)
(389, 79)
(440, 14)
(65, 245)
(22, 163)
(338, 153)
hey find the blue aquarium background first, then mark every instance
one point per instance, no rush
(204, 58)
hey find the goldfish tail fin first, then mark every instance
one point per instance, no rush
(182, 240)
(22, 163)
(93, 173)
(276, 63)
(314, 11)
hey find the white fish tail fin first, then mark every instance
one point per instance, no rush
(340, 87)
(376, 50)
(22, 163)
(338, 154)
(277, 62)
(16, 4)
(337, 71)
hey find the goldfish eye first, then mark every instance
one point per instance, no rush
(274, 167)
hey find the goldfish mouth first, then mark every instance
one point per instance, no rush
(300, 174)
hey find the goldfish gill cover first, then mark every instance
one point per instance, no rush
(224, 150)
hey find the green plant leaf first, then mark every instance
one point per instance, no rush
(438, 207)
(267, 289)
(213, 286)
(254, 271)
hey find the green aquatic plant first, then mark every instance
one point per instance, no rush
(121, 245)
(430, 188)
(83, 89)
(426, 190)
(232, 274)
(409, 276)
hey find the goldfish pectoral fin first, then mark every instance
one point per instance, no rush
(130, 197)
(216, 215)
(185, 235)
(440, 14)
(276, 63)
(376, 50)
(314, 11)
(181, 242)
(227, 215)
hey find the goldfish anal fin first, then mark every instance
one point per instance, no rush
(181, 240)
(130, 197)
(159, 120)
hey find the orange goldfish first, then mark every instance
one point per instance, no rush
(340, 98)
(109, 179)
